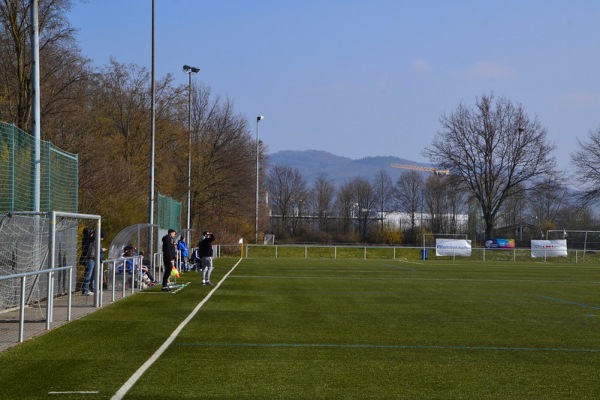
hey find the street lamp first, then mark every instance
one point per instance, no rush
(258, 119)
(190, 71)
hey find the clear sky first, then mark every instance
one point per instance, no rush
(363, 78)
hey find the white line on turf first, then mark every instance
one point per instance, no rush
(138, 374)
(76, 392)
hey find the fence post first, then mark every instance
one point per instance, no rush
(70, 298)
(22, 311)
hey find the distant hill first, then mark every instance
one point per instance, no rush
(311, 163)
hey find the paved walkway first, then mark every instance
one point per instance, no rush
(35, 316)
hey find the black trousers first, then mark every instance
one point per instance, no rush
(167, 273)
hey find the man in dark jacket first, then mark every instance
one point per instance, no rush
(88, 259)
(206, 254)
(169, 255)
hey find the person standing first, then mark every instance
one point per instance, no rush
(183, 250)
(169, 256)
(88, 259)
(206, 254)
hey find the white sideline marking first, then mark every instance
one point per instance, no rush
(138, 374)
(76, 392)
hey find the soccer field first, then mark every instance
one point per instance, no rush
(331, 329)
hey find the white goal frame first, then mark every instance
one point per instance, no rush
(443, 236)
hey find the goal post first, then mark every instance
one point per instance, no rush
(429, 240)
(36, 241)
(576, 239)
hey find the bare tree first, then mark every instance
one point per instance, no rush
(586, 162)
(223, 160)
(494, 148)
(288, 190)
(322, 200)
(357, 200)
(384, 193)
(455, 193)
(547, 201)
(61, 67)
(513, 214)
(346, 206)
(436, 203)
(113, 144)
(409, 195)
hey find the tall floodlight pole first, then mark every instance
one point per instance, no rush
(190, 71)
(152, 145)
(35, 104)
(258, 119)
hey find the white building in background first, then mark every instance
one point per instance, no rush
(401, 220)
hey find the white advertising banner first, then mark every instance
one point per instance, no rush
(453, 247)
(548, 248)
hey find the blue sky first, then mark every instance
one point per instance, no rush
(366, 78)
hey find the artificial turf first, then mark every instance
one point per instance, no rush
(331, 329)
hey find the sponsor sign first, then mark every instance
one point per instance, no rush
(548, 248)
(500, 243)
(453, 247)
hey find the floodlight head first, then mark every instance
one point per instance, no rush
(194, 70)
(186, 68)
(259, 118)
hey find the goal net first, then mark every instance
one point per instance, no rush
(577, 239)
(269, 239)
(24, 247)
(429, 239)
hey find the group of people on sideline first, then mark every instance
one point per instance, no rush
(203, 256)
(200, 259)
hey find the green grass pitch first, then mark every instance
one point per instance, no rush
(332, 329)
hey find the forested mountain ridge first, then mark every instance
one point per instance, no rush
(339, 169)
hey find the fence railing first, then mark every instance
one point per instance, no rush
(397, 253)
(50, 309)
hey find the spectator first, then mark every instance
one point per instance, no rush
(206, 254)
(195, 260)
(131, 266)
(183, 249)
(88, 259)
(146, 269)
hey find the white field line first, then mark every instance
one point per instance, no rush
(138, 374)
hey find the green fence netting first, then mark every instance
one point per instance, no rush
(58, 179)
(168, 213)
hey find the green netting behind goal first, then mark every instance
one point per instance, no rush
(59, 174)
(168, 213)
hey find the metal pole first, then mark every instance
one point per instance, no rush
(152, 148)
(189, 194)
(190, 71)
(258, 119)
(35, 105)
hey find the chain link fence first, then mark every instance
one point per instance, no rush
(59, 174)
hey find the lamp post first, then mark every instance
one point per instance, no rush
(190, 71)
(258, 119)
